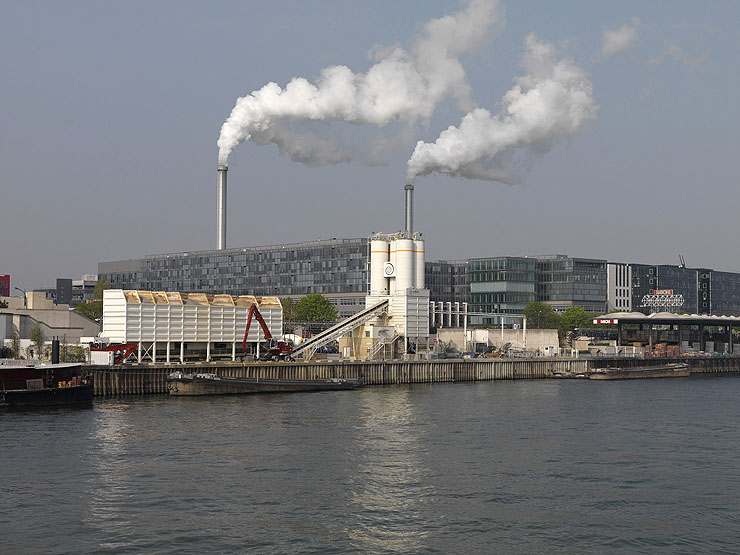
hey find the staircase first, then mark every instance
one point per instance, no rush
(380, 345)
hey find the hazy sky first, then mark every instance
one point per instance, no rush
(110, 113)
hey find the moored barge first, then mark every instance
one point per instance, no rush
(181, 384)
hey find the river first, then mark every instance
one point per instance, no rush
(547, 466)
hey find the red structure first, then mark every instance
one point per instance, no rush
(5, 286)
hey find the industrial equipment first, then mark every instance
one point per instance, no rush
(275, 349)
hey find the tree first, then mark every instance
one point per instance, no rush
(288, 308)
(38, 339)
(100, 286)
(92, 310)
(573, 318)
(15, 345)
(541, 316)
(315, 308)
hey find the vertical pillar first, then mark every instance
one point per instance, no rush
(139, 355)
(154, 351)
(729, 340)
(233, 351)
(650, 336)
(680, 338)
(524, 325)
(702, 339)
(182, 352)
(619, 335)
(208, 351)
(168, 352)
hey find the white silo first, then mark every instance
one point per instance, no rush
(392, 240)
(379, 255)
(419, 261)
(405, 274)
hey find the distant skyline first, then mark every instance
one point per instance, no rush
(110, 113)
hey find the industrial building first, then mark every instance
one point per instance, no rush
(169, 326)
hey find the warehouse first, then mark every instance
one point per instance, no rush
(172, 326)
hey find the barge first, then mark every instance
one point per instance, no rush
(677, 370)
(181, 384)
(45, 386)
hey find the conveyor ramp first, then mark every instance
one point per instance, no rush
(309, 347)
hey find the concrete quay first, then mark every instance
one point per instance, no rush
(151, 379)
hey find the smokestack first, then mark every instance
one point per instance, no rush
(222, 169)
(409, 188)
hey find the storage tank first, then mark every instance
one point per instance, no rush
(419, 262)
(405, 275)
(392, 240)
(379, 255)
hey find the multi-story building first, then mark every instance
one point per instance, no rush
(619, 287)
(563, 282)
(667, 288)
(447, 280)
(5, 285)
(335, 268)
(501, 285)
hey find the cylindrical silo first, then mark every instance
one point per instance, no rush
(379, 255)
(392, 259)
(405, 274)
(419, 262)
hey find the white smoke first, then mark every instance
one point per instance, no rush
(553, 100)
(401, 85)
(619, 40)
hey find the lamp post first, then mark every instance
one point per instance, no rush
(25, 301)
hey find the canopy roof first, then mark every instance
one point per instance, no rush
(668, 318)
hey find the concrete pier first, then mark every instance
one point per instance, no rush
(148, 379)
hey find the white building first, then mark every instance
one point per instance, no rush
(618, 287)
(172, 326)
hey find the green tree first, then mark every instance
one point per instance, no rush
(92, 310)
(315, 308)
(541, 316)
(38, 339)
(289, 306)
(15, 345)
(573, 318)
(100, 286)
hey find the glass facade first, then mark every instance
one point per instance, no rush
(563, 282)
(725, 293)
(503, 285)
(447, 280)
(325, 267)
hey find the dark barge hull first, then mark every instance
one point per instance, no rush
(79, 395)
(666, 371)
(189, 385)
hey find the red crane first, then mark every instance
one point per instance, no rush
(275, 349)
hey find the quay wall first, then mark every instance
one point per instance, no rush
(148, 379)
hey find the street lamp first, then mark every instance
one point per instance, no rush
(24, 295)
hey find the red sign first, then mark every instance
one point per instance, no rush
(606, 321)
(663, 292)
(5, 286)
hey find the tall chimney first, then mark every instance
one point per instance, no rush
(222, 169)
(409, 188)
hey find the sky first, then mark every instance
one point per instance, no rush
(110, 115)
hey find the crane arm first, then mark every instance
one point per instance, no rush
(254, 312)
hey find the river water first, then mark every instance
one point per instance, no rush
(549, 466)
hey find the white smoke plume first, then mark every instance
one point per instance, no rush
(619, 40)
(552, 101)
(401, 85)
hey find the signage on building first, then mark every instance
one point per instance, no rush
(663, 300)
(663, 292)
(606, 321)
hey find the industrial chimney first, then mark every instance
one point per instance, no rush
(222, 169)
(409, 188)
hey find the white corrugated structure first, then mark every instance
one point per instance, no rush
(168, 324)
